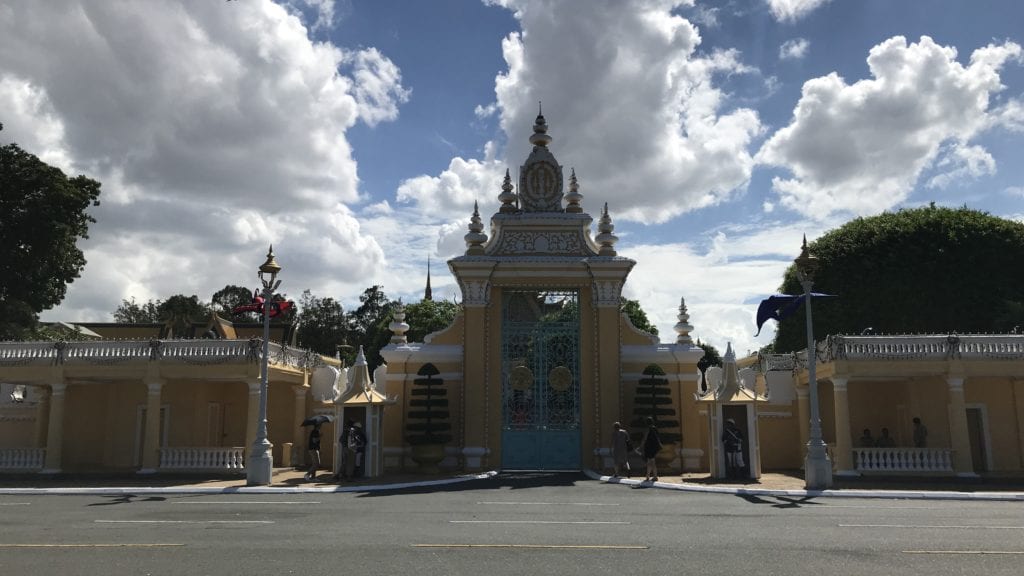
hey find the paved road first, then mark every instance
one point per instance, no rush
(513, 524)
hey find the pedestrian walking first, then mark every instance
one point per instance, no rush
(314, 452)
(650, 446)
(621, 447)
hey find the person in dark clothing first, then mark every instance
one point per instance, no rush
(650, 445)
(732, 442)
(343, 467)
(357, 449)
(314, 452)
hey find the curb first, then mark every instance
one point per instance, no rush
(852, 493)
(240, 489)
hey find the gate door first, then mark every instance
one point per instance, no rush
(540, 332)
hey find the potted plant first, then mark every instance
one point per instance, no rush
(427, 428)
(654, 400)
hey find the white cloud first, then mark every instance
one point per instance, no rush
(793, 10)
(859, 148)
(795, 49)
(1015, 192)
(651, 126)
(962, 162)
(216, 128)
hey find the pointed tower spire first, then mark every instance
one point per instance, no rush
(475, 238)
(427, 294)
(606, 239)
(507, 197)
(540, 129)
(574, 197)
(683, 327)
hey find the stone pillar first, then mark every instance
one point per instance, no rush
(55, 429)
(803, 417)
(844, 441)
(1018, 409)
(299, 437)
(42, 418)
(252, 415)
(151, 437)
(958, 438)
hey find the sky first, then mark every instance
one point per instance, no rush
(356, 135)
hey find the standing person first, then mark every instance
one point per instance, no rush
(343, 472)
(650, 446)
(885, 441)
(621, 447)
(866, 440)
(314, 452)
(357, 449)
(920, 434)
(732, 441)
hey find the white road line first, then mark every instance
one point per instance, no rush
(962, 552)
(183, 521)
(530, 522)
(247, 502)
(551, 503)
(925, 526)
(15, 503)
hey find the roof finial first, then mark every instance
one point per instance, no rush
(475, 238)
(573, 198)
(540, 130)
(606, 239)
(507, 196)
(427, 294)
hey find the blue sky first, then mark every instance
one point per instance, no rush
(717, 132)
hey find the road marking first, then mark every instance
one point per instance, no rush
(204, 502)
(929, 526)
(530, 522)
(551, 503)
(961, 552)
(15, 503)
(118, 545)
(183, 521)
(553, 546)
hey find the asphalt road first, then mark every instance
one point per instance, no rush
(512, 524)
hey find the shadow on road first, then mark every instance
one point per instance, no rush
(504, 480)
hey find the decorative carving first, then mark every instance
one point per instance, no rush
(521, 378)
(476, 292)
(527, 242)
(560, 379)
(607, 292)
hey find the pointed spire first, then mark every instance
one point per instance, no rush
(683, 327)
(606, 239)
(476, 238)
(574, 197)
(540, 130)
(427, 294)
(397, 326)
(507, 197)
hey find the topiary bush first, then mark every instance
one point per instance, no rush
(428, 415)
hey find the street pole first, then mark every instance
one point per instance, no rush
(817, 466)
(260, 467)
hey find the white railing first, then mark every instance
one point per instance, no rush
(903, 459)
(202, 458)
(22, 458)
(929, 347)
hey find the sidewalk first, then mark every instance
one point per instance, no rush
(291, 481)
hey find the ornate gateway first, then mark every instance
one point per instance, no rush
(540, 380)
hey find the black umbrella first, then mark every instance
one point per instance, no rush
(317, 420)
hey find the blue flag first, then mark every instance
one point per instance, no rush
(779, 307)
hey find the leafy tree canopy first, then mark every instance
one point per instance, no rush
(637, 316)
(429, 316)
(228, 298)
(322, 324)
(43, 216)
(922, 270)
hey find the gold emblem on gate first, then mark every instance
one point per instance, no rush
(521, 378)
(560, 379)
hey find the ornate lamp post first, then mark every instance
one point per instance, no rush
(817, 466)
(260, 466)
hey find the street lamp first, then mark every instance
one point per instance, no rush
(260, 466)
(817, 466)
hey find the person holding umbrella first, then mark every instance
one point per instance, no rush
(314, 443)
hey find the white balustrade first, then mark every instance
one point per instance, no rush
(202, 458)
(903, 459)
(22, 458)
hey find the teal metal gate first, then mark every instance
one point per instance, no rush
(540, 333)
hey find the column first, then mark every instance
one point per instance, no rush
(299, 438)
(252, 416)
(42, 418)
(844, 441)
(958, 438)
(803, 416)
(55, 429)
(151, 436)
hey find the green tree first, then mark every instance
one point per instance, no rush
(368, 324)
(322, 324)
(131, 312)
(429, 316)
(229, 297)
(922, 270)
(637, 316)
(43, 216)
